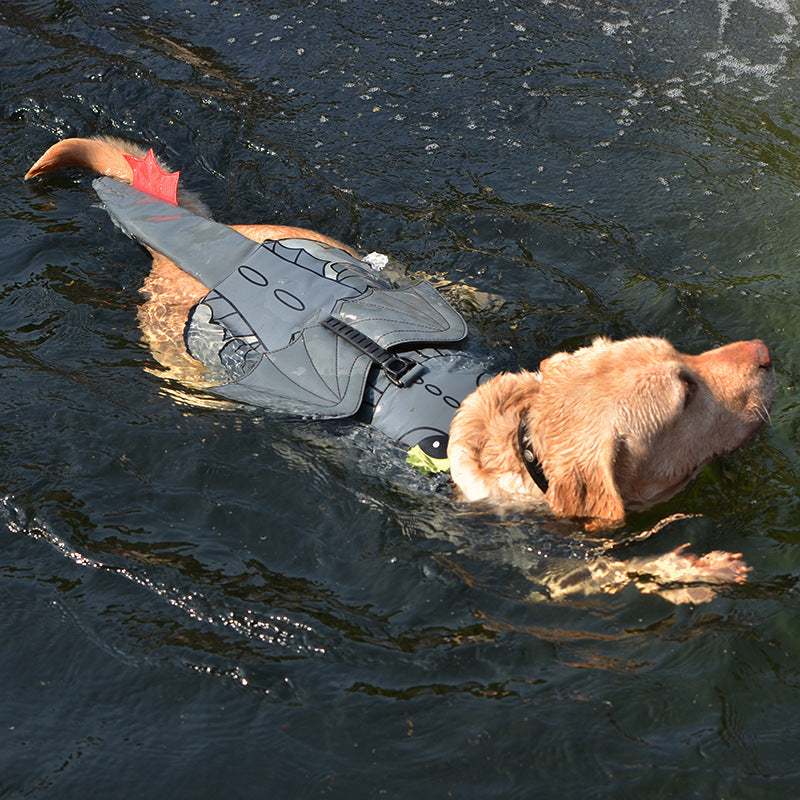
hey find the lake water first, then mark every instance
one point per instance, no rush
(204, 601)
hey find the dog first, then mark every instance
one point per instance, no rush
(613, 427)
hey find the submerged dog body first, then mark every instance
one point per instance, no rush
(613, 427)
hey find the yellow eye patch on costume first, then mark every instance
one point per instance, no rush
(430, 455)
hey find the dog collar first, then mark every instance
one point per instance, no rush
(529, 458)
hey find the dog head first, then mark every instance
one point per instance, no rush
(616, 426)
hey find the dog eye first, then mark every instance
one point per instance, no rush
(690, 388)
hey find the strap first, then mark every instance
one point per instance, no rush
(399, 370)
(529, 458)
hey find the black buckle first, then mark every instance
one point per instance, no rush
(401, 371)
(397, 370)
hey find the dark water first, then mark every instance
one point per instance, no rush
(207, 602)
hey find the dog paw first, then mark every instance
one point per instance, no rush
(682, 577)
(718, 566)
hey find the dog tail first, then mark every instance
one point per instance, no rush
(103, 155)
(116, 158)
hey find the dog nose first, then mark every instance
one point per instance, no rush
(749, 354)
(761, 354)
(741, 355)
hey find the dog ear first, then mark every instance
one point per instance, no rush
(585, 488)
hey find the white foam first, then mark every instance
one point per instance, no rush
(610, 28)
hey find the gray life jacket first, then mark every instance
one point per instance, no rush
(306, 328)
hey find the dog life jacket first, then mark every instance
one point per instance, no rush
(306, 328)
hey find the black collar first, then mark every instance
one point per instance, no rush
(529, 458)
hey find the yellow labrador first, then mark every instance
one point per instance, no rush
(613, 427)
